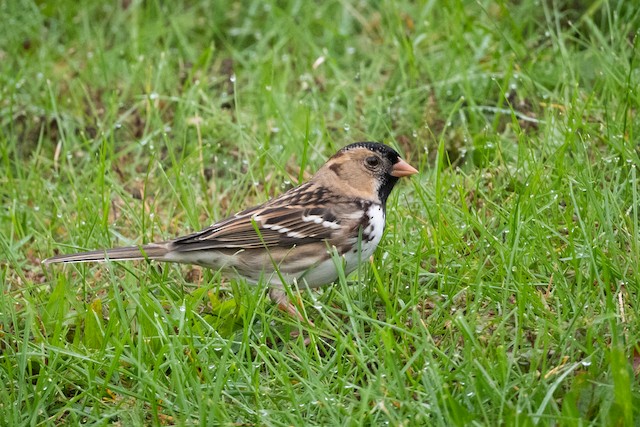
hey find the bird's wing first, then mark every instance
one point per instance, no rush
(273, 225)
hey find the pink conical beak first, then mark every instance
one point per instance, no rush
(402, 168)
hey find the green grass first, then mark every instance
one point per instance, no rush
(505, 290)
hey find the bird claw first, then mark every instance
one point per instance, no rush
(279, 297)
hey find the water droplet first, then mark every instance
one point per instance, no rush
(347, 128)
(153, 96)
(232, 78)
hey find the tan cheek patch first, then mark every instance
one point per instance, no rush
(362, 184)
(337, 168)
(356, 181)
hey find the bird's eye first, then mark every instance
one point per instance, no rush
(372, 162)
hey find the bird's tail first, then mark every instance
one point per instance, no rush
(152, 251)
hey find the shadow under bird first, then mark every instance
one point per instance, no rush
(290, 238)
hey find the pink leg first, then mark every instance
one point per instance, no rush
(279, 296)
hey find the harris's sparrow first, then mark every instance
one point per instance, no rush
(291, 238)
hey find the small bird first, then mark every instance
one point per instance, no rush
(291, 238)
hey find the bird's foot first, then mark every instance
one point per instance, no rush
(279, 297)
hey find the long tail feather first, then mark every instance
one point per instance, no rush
(152, 251)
